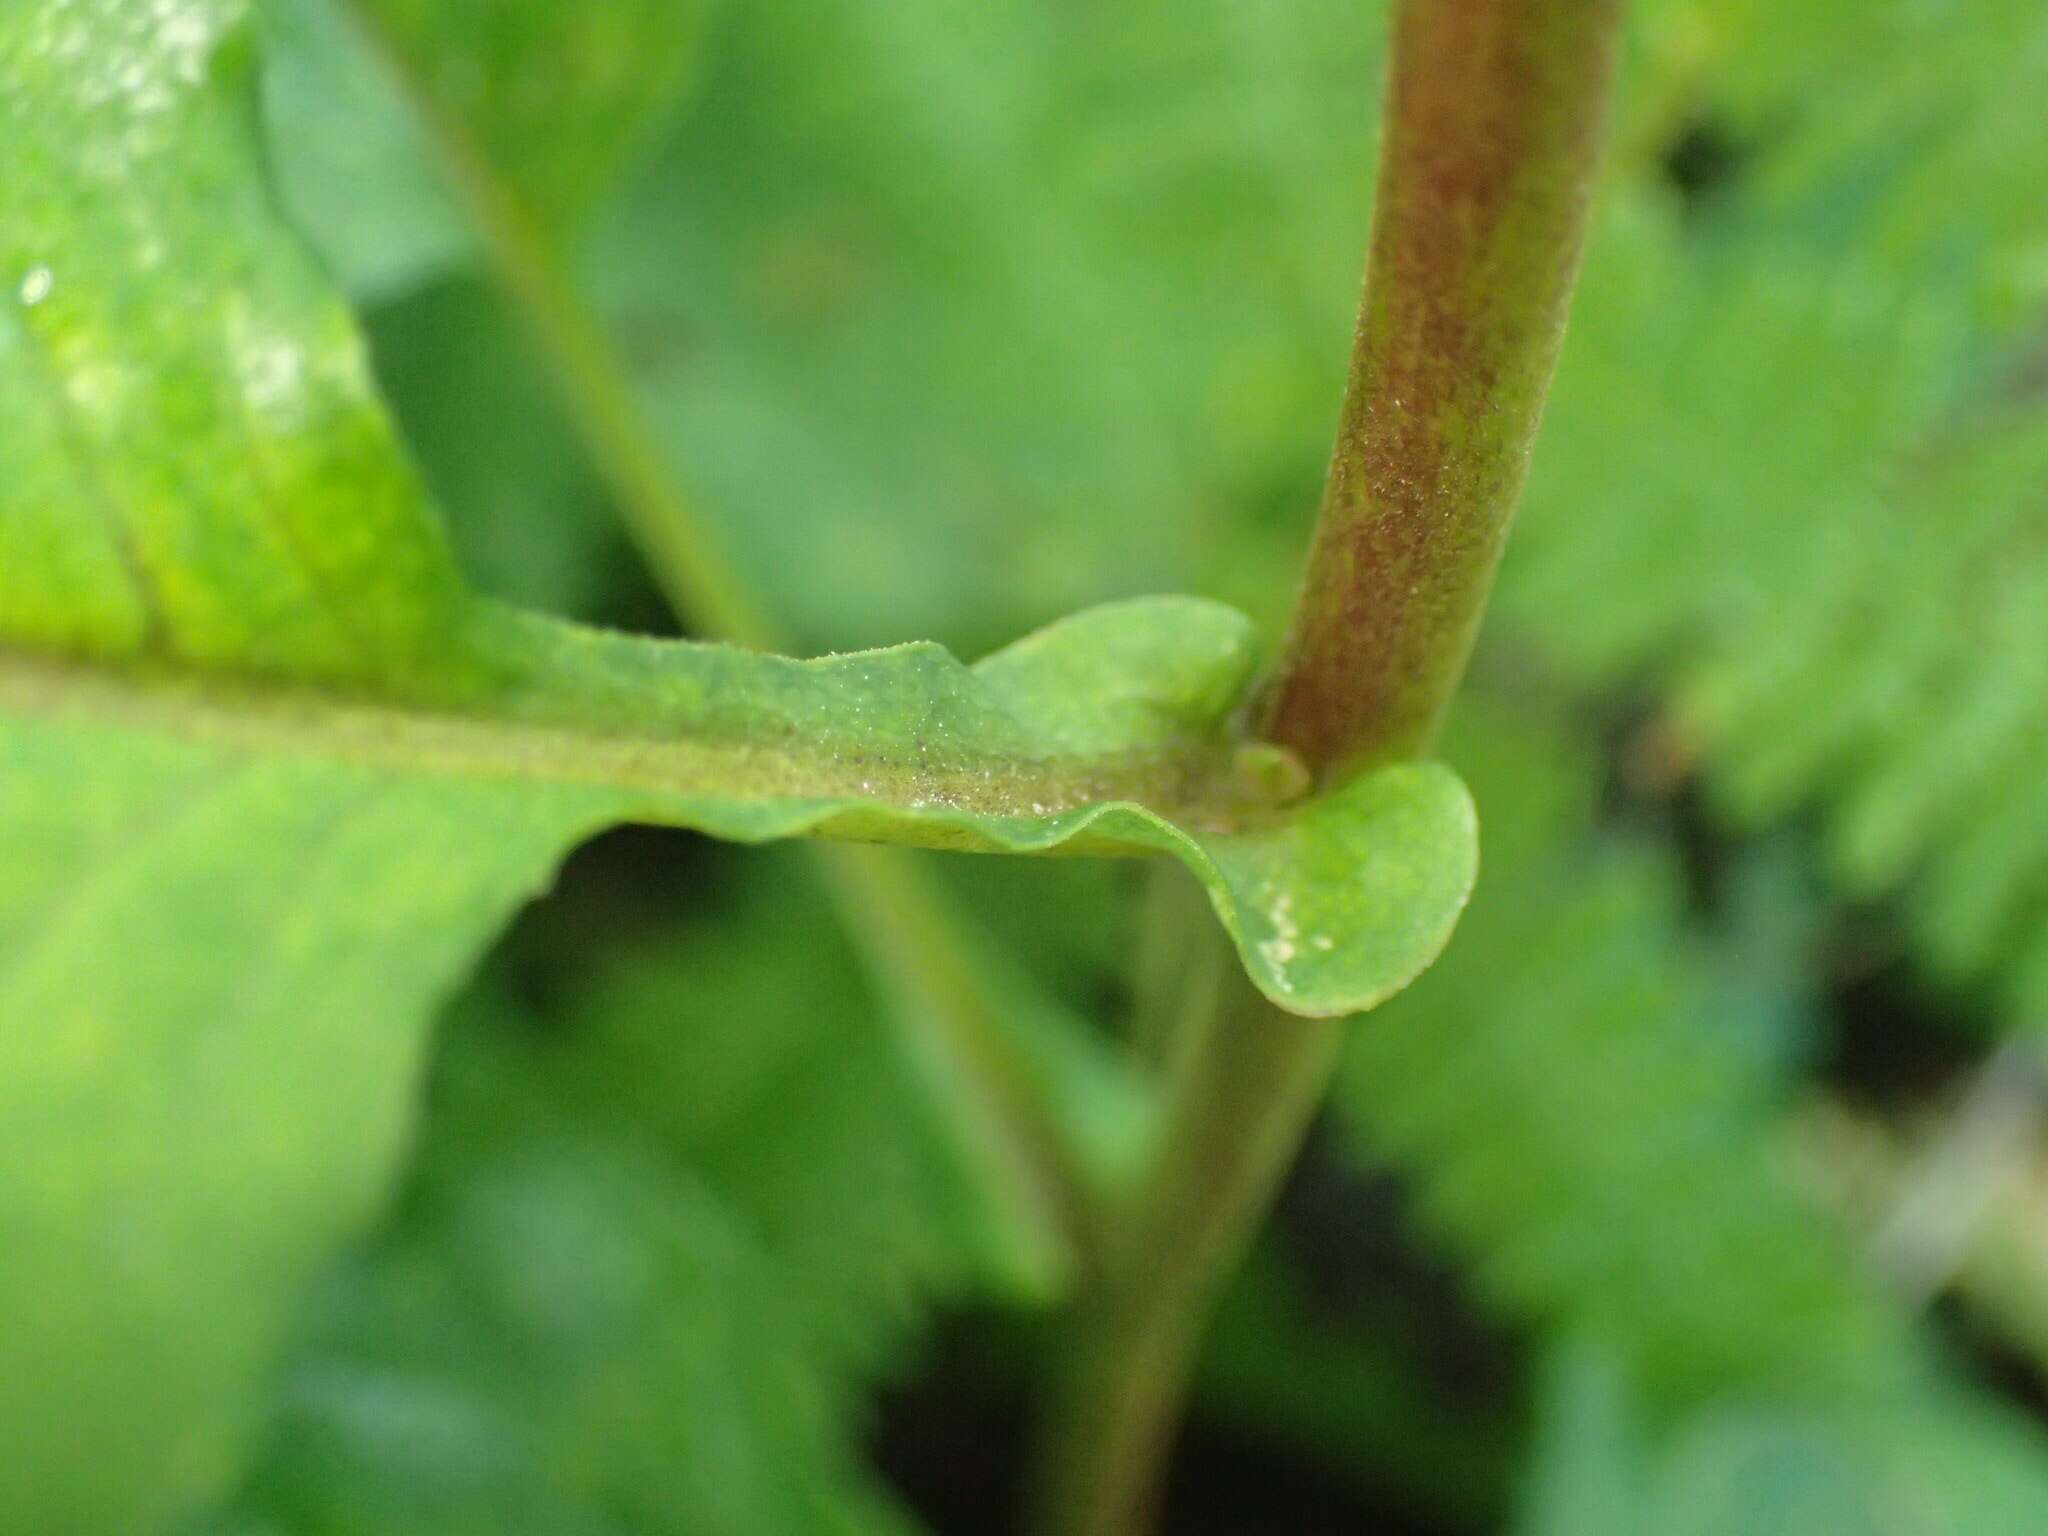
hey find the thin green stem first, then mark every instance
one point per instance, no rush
(1493, 125)
(999, 1110)
(994, 1094)
(1245, 1083)
(1175, 970)
(702, 587)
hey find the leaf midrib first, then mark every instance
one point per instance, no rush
(282, 718)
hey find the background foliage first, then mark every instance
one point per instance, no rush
(953, 319)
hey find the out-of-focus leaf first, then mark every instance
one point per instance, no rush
(561, 1342)
(1002, 312)
(1916, 167)
(528, 521)
(352, 165)
(1791, 471)
(1937, 1467)
(664, 1227)
(553, 97)
(1879, 653)
(961, 207)
(1586, 1475)
(213, 973)
(1576, 1128)
(1575, 1124)
(383, 116)
(1360, 1388)
(559, 95)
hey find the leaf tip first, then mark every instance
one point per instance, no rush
(1345, 901)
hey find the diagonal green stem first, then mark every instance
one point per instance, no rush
(702, 588)
(1246, 1081)
(999, 1106)
(1493, 126)
(994, 1092)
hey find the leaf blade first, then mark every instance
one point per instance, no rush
(178, 1162)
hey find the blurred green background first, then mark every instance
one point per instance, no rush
(1701, 1190)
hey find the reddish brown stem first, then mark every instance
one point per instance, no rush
(1492, 133)
(1493, 126)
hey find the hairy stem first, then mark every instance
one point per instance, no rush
(1493, 126)
(1493, 129)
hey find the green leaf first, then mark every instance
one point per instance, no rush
(1356, 1370)
(209, 487)
(1846, 617)
(1565, 1095)
(528, 521)
(1582, 1127)
(965, 206)
(1938, 1467)
(270, 774)
(559, 95)
(903, 745)
(213, 972)
(1587, 1475)
(665, 1227)
(353, 168)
